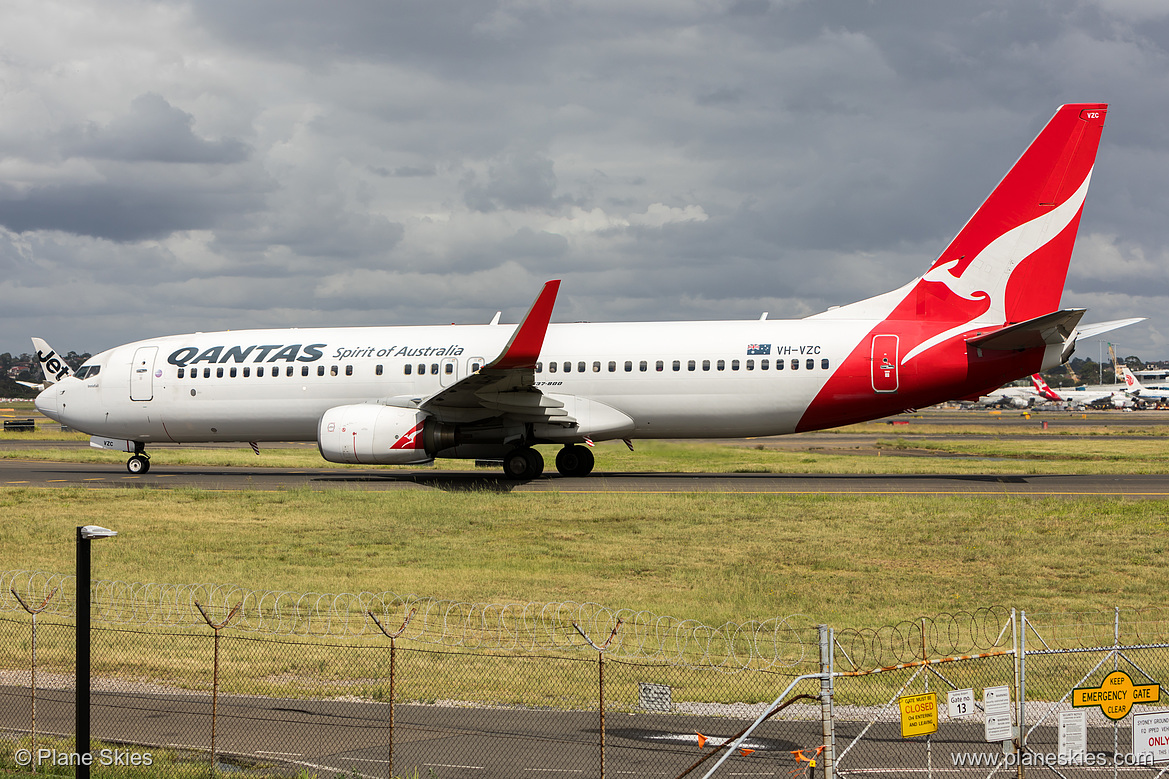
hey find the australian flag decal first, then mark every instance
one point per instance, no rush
(758, 348)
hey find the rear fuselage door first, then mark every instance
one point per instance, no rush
(142, 373)
(884, 363)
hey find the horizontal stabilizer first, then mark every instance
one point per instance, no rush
(1049, 329)
(1087, 331)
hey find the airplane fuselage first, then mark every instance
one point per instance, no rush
(672, 379)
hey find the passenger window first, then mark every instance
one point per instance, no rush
(377, 371)
(795, 365)
(567, 367)
(763, 364)
(706, 365)
(332, 370)
(539, 367)
(247, 372)
(824, 364)
(219, 373)
(612, 366)
(597, 366)
(421, 369)
(433, 369)
(289, 371)
(750, 365)
(690, 365)
(677, 365)
(660, 366)
(449, 368)
(182, 372)
(408, 369)
(349, 370)
(580, 367)
(304, 370)
(810, 364)
(643, 366)
(321, 370)
(475, 367)
(232, 372)
(207, 373)
(552, 367)
(734, 365)
(722, 365)
(629, 366)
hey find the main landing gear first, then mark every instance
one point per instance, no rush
(525, 463)
(140, 462)
(574, 460)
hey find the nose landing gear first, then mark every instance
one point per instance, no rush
(140, 462)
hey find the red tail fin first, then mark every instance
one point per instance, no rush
(1011, 258)
(1042, 388)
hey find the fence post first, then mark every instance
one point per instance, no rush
(827, 691)
(215, 672)
(393, 663)
(33, 681)
(601, 680)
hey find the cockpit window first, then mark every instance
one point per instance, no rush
(88, 371)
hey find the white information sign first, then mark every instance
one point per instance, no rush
(961, 703)
(1073, 735)
(1150, 736)
(996, 701)
(654, 697)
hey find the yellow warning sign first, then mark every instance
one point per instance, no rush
(919, 714)
(1116, 695)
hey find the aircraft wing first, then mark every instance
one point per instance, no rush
(505, 385)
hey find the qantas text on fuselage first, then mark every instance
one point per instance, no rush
(985, 312)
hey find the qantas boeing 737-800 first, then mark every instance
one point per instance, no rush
(985, 313)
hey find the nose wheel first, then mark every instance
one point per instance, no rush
(137, 464)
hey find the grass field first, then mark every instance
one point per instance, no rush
(850, 561)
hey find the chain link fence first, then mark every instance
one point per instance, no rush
(205, 680)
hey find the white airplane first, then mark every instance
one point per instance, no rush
(1139, 391)
(1006, 397)
(985, 313)
(1100, 396)
(53, 368)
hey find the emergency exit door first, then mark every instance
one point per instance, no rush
(884, 363)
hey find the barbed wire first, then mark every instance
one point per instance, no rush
(943, 635)
(774, 644)
(779, 643)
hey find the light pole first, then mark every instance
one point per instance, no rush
(81, 694)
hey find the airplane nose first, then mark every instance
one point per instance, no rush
(46, 402)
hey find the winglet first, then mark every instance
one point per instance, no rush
(523, 349)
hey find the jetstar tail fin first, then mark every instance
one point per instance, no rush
(53, 366)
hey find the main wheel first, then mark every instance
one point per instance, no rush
(138, 464)
(523, 463)
(574, 460)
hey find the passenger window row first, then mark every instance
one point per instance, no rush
(422, 369)
(333, 370)
(659, 366)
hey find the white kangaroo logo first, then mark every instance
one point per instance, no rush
(987, 275)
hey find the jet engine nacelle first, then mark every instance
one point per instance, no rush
(371, 434)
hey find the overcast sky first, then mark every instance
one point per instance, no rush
(167, 167)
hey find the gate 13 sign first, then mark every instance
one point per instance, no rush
(1116, 695)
